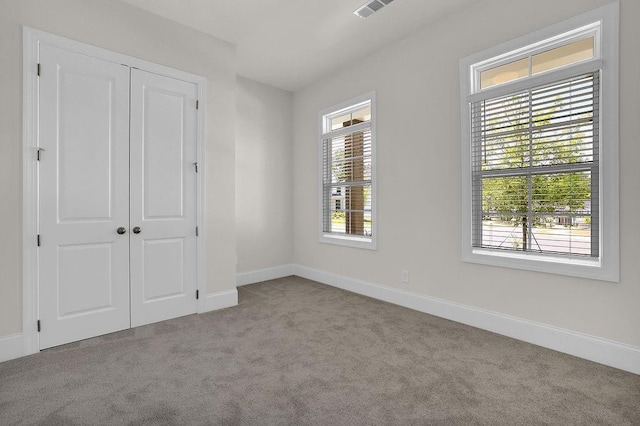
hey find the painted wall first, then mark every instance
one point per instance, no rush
(124, 29)
(264, 215)
(419, 175)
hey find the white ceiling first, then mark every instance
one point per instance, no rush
(291, 43)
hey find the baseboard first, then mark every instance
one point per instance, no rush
(603, 351)
(245, 278)
(607, 352)
(220, 300)
(11, 347)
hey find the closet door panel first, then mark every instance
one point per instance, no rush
(163, 197)
(163, 150)
(84, 196)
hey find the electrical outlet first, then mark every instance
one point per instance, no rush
(404, 276)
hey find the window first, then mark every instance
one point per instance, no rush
(347, 164)
(540, 150)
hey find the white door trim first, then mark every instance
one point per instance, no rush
(31, 41)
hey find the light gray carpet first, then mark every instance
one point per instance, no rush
(298, 352)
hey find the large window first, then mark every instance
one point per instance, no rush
(347, 152)
(540, 150)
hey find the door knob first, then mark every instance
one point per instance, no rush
(136, 230)
(121, 230)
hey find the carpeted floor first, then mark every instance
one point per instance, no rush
(298, 352)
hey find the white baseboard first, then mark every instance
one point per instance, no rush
(245, 278)
(607, 352)
(11, 347)
(220, 300)
(603, 351)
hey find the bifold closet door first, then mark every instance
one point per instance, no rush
(83, 196)
(163, 198)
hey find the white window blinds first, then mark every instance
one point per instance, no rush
(535, 169)
(347, 179)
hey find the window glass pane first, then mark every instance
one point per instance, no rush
(351, 157)
(504, 73)
(558, 233)
(555, 219)
(362, 115)
(351, 210)
(563, 117)
(367, 223)
(504, 210)
(354, 117)
(340, 121)
(561, 220)
(501, 132)
(561, 56)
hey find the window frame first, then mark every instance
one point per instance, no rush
(362, 242)
(604, 23)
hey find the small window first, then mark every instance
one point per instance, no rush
(553, 58)
(540, 151)
(347, 152)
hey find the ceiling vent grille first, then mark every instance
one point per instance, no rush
(371, 7)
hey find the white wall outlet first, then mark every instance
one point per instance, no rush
(404, 276)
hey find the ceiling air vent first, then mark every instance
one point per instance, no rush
(370, 8)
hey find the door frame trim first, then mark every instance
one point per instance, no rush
(30, 262)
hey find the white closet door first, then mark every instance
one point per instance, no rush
(163, 198)
(84, 197)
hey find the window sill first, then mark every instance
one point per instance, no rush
(575, 267)
(348, 241)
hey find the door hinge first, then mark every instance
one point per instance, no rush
(38, 326)
(38, 71)
(196, 166)
(38, 240)
(197, 294)
(197, 104)
(197, 230)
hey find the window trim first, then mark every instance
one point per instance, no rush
(607, 266)
(369, 243)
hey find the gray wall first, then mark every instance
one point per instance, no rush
(264, 214)
(419, 176)
(124, 29)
